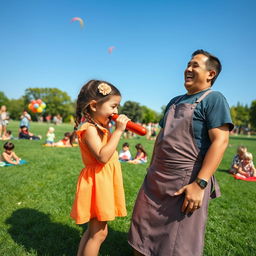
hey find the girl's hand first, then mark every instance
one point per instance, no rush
(193, 197)
(121, 122)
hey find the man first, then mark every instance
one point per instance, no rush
(170, 212)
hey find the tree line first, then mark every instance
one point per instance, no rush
(244, 116)
(59, 102)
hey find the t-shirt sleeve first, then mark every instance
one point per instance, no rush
(218, 111)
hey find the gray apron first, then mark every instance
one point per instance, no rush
(158, 227)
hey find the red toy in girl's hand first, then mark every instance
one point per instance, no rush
(131, 126)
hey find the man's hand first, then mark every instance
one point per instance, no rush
(193, 197)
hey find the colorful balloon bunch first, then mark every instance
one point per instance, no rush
(37, 106)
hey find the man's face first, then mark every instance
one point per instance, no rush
(196, 74)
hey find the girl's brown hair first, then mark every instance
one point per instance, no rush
(140, 147)
(91, 92)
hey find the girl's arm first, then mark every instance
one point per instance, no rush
(93, 140)
(7, 158)
(16, 157)
(240, 170)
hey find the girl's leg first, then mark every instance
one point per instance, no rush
(4, 130)
(82, 243)
(97, 233)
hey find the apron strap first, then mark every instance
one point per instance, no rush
(203, 96)
(175, 102)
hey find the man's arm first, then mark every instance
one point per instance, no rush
(219, 141)
(193, 193)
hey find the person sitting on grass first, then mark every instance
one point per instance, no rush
(141, 155)
(237, 159)
(246, 168)
(50, 136)
(125, 154)
(27, 135)
(8, 157)
(8, 135)
(65, 142)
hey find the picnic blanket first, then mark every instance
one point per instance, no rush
(246, 179)
(5, 164)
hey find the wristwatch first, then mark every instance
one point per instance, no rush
(201, 183)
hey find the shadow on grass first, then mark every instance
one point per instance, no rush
(36, 232)
(224, 170)
(116, 244)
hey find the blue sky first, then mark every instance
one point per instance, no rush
(153, 40)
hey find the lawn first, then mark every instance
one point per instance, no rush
(36, 199)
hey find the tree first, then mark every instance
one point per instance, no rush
(240, 115)
(57, 101)
(3, 99)
(16, 107)
(253, 114)
(132, 110)
(149, 115)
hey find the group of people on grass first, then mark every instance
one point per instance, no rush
(242, 164)
(126, 156)
(68, 139)
(8, 156)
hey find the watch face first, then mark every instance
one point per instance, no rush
(203, 183)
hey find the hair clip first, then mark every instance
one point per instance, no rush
(104, 89)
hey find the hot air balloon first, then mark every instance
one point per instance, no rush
(78, 19)
(110, 49)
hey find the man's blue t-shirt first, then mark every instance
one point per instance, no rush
(212, 112)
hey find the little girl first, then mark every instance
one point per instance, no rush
(237, 159)
(99, 195)
(50, 136)
(246, 168)
(141, 155)
(65, 142)
(9, 157)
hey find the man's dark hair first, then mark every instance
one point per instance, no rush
(212, 63)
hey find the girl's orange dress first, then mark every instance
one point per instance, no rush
(99, 192)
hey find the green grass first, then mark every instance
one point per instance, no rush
(36, 199)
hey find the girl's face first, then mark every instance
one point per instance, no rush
(103, 112)
(247, 161)
(8, 151)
